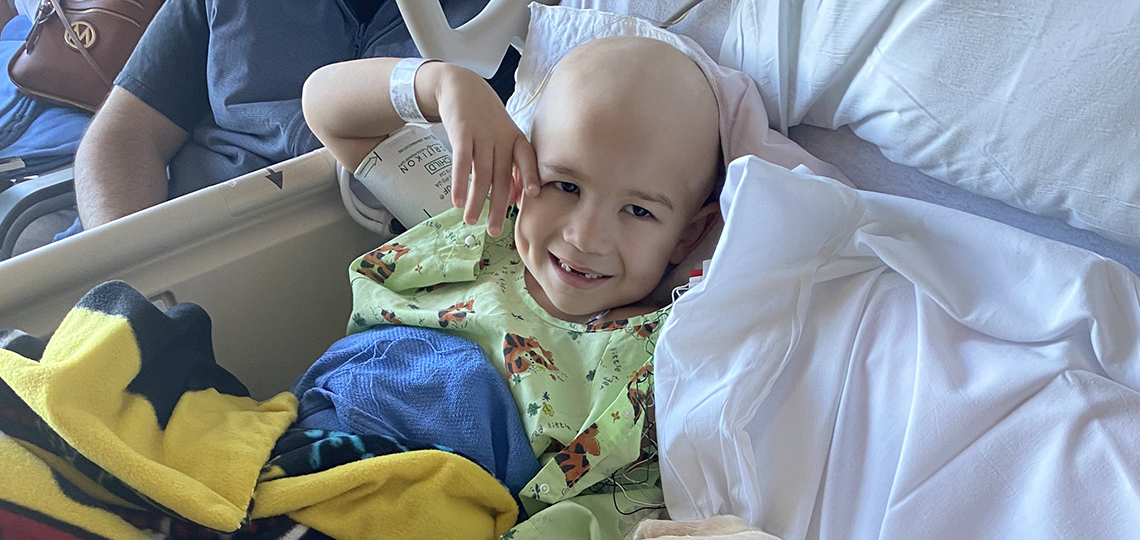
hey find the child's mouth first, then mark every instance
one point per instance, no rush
(574, 276)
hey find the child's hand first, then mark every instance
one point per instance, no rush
(484, 140)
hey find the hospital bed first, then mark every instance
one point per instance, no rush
(266, 254)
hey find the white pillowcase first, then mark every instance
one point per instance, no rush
(1032, 102)
(705, 24)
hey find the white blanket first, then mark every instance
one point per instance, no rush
(858, 365)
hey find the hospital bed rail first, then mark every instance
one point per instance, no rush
(265, 254)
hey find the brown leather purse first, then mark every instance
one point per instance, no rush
(76, 48)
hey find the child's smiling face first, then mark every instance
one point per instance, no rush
(627, 144)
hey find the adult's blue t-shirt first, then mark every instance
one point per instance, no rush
(230, 73)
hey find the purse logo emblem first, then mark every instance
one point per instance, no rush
(84, 31)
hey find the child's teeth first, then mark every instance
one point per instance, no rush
(567, 268)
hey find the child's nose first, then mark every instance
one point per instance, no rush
(585, 231)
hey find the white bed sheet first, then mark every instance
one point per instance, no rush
(895, 369)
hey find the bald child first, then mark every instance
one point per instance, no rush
(617, 185)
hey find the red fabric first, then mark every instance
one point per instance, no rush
(19, 523)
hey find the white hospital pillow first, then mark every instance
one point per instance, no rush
(1032, 102)
(705, 24)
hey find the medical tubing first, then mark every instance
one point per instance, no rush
(350, 201)
(374, 214)
(371, 214)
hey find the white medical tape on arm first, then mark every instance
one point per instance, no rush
(402, 89)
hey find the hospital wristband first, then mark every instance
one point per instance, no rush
(402, 90)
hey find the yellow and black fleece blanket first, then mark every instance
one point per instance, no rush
(124, 426)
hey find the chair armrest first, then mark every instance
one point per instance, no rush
(29, 199)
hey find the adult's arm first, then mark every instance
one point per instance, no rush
(120, 167)
(158, 98)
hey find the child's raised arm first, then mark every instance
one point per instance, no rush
(348, 107)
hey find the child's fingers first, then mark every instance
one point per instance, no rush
(516, 186)
(500, 192)
(527, 164)
(460, 172)
(481, 183)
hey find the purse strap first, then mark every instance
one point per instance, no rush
(79, 44)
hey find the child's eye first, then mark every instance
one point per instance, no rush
(567, 187)
(637, 211)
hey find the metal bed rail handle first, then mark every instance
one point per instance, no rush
(479, 45)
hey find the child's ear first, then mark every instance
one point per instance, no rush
(695, 232)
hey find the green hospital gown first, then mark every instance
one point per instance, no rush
(581, 390)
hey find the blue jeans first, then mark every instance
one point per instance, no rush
(73, 230)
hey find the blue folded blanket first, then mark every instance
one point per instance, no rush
(422, 385)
